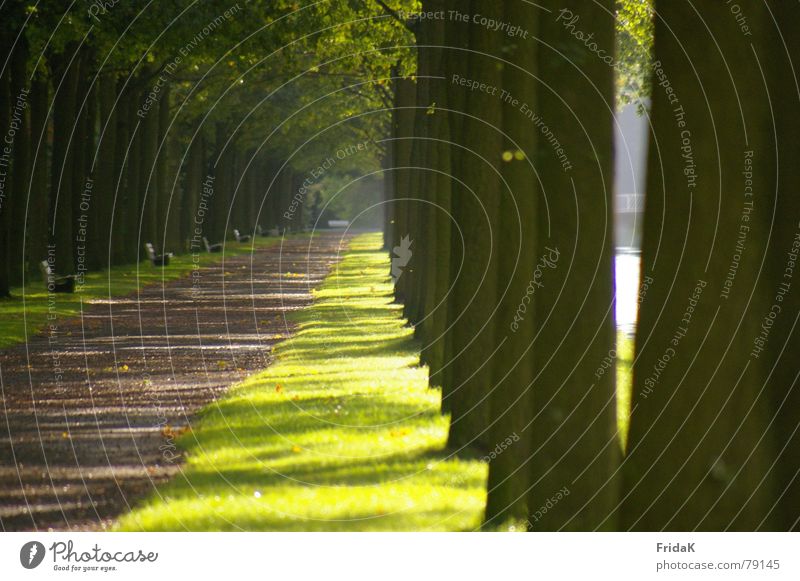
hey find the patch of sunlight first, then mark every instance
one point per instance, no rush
(340, 433)
(625, 345)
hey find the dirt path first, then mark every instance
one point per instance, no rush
(89, 412)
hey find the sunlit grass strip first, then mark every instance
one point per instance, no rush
(624, 385)
(28, 310)
(341, 433)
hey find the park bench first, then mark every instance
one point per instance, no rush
(212, 247)
(239, 237)
(55, 283)
(157, 259)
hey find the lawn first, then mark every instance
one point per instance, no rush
(26, 312)
(625, 348)
(341, 433)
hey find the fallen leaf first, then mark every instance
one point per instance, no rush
(278, 388)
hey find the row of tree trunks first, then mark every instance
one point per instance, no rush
(91, 176)
(487, 199)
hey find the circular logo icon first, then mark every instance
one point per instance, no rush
(31, 554)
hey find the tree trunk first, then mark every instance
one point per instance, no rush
(711, 364)
(476, 215)
(436, 253)
(455, 62)
(148, 176)
(105, 171)
(195, 168)
(405, 100)
(121, 211)
(575, 451)
(21, 165)
(65, 67)
(779, 367)
(5, 175)
(39, 158)
(82, 188)
(420, 184)
(513, 372)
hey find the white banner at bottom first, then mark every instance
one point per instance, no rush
(400, 556)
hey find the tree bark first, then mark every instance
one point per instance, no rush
(696, 457)
(122, 210)
(573, 432)
(5, 175)
(476, 215)
(405, 100)
(39, 158)
(512, 366)
(436, 252)
(21, 160)
(105, 171)
(65, 67)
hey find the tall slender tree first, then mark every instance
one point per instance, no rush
(573, 428)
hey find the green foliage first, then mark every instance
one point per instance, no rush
(341, 433)
(634, 50)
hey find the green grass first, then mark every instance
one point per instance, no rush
(341, 433)
(27, 311)
(624, 385)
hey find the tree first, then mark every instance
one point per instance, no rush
(573, 430)
(709, 445)
(512, 366)
(476, 214)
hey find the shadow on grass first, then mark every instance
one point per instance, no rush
(341, 433)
